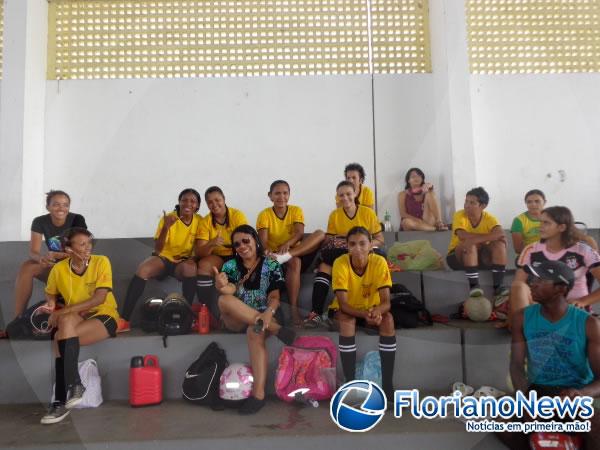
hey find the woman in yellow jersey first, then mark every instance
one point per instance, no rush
(525, 228)
(355, 173)
(281, 232)
(213, 243)
(173, 248)
(341, 220)
(361, 282)
(89, 315)
(478, 241)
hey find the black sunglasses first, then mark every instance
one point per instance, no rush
(245, 241)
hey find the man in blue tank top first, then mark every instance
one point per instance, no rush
(560, 342)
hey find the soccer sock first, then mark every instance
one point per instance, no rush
(69, 350)
(134, 291)
(473, 276)
(498, 275)
(188, 286)
(387, 353)
(207, 293)
(60, 391)
(320, 290)
(347, 347)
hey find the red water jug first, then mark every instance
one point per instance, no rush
(145, 381)
(203, 320)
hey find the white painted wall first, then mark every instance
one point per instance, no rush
(526, 127)
(125, 148)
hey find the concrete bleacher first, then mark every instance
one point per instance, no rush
(428, 358)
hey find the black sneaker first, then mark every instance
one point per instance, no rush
(74, 395)
(56, 413)
(252, 405)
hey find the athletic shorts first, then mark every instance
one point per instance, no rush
(109, 323)
(455, 264)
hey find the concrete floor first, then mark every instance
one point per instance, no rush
(179, 425)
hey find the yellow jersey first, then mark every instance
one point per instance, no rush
(339, 223)
(209, 229)
(528, 227)
(76, 288)
(460, 221)
(280, 230)
(362, 290)
(179, 243)
(365, 197)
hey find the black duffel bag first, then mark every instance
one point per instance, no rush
(408, 311)
(201, 381)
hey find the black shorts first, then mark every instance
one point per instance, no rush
(455, 264)
(109, 323)
(169, 270)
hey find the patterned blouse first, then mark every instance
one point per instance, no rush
(255, 290)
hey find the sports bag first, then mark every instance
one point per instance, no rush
(306, 371)
(90, 378)
(370, 368)
(32, 324)
(415, 255)
(175, 317)
(201, 381)
(150, 313)
(407, 310)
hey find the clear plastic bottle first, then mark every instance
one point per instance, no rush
(387, 221)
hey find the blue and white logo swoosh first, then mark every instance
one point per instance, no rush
(358, 417)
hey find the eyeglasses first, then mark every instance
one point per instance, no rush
(245, 241)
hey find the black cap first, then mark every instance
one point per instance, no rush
(555, 271)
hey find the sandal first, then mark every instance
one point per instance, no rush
(463, 388)
(488, 391)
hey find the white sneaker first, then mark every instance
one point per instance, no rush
(282, 259)
(56, 413)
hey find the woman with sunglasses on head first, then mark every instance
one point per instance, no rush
(418, 205)
(281, 232)
(249, 287)
(341, 221)
(173, 248)
(560, 241)
(89, 315)
(213, 244)
(50, 228)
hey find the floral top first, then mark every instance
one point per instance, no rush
(254, 292)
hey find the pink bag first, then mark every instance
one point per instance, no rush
(306, 369)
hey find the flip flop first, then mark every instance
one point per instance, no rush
(463, 388)
(488, 391)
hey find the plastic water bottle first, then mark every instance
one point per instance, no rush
(203, 320)
(387, 221)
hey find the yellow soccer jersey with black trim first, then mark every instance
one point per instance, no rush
(76, 288)
(363, 290)
(366, 197)
(460, 221)
(207, 230)
(528, 227)
(280, 230)
(179, 243)
(339, 223)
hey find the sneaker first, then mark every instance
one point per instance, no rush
(56, 413)
(476, 292)
(74, 395)
(251, 406)
(501, 291)
(313, 320)
(123, 325)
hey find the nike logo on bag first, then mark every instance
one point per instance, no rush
(188, 375)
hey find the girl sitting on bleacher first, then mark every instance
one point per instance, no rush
(560, 241)
(281, 231)
(250, 286)
(355, 173)
(213, 243)
(51, 228)
(173, 247)
(525, 228)
(89, 315)
(418, 205)
(341, 220)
